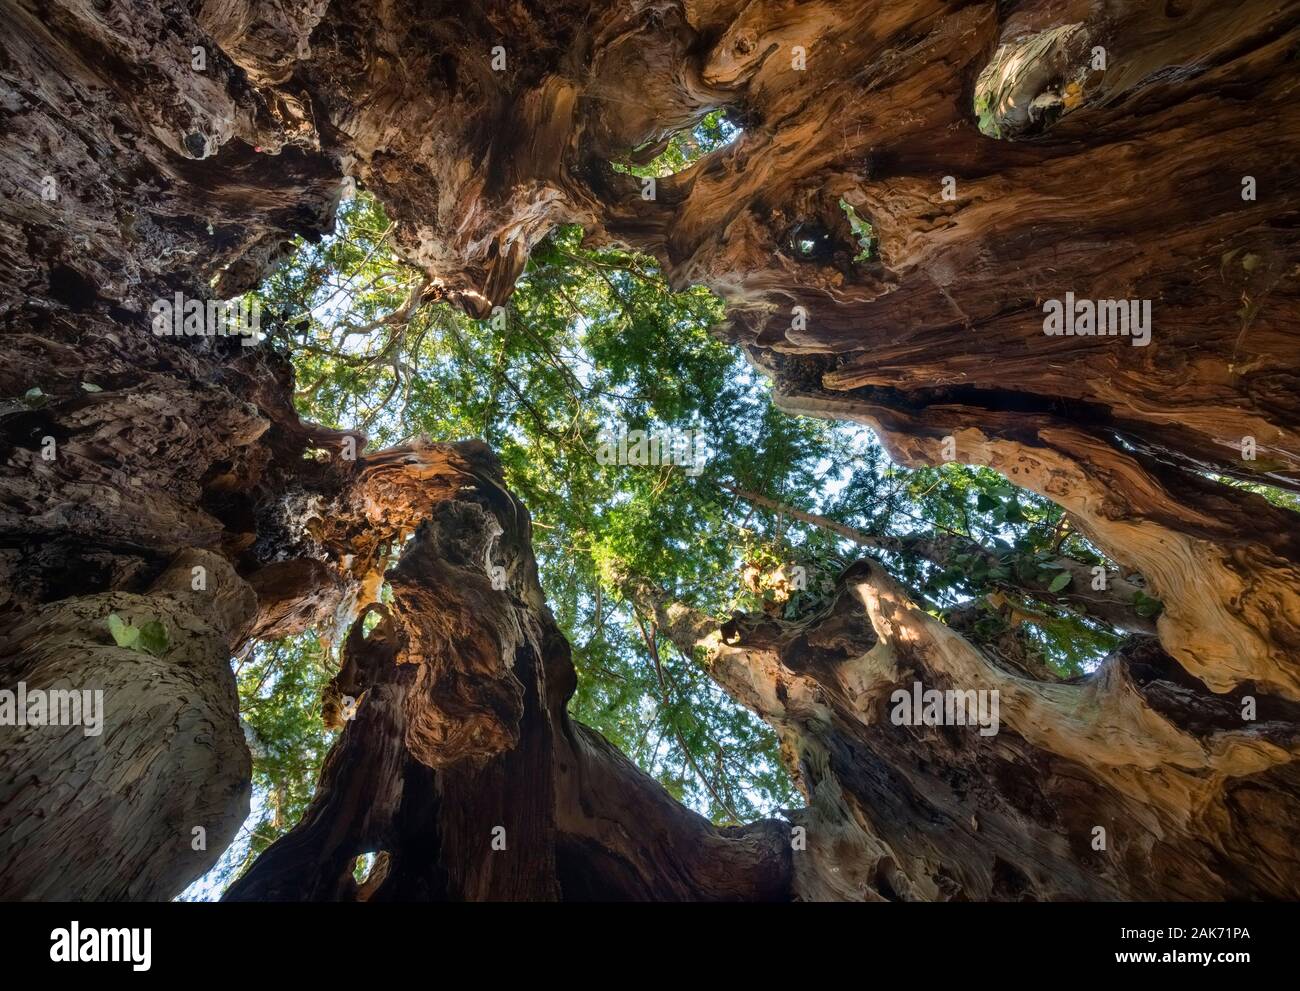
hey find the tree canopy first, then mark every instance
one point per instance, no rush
(833, 352)
(591, 346)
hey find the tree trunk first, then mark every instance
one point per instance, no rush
(163, 781)
(131, 174)
(462, 769)
(1134, 783)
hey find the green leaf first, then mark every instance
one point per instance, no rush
(988, 123)
(91, 387)
(862, 230)
(153, 638)
(1060, 581)
(124, 634)
(1145, 606)
(985, 503)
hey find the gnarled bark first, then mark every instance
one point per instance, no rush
(1140, 749)
(461, 743)
(462, 767)
(1130, 181)
(162, 783)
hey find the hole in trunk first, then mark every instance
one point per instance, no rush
(682, 149)
(71, 288)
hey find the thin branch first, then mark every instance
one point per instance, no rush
(649, 638)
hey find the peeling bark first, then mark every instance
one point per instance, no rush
(463, 768)
(1119, 183)
(944, 812)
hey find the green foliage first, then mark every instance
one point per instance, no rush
(988, 123)
(280, 685)
(1282, 498)
(124, 635)
(1068, 644)
(593, 341)
(862, 230)
(151, 638)
(684, 148)
(1146, 606)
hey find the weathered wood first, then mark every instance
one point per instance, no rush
(1130, 181)
(140, 808)
(463, 768)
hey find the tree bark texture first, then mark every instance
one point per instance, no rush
(128, 175)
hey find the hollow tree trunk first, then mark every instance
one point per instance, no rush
(130, 174)
(463, 772)
(1179, 786)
